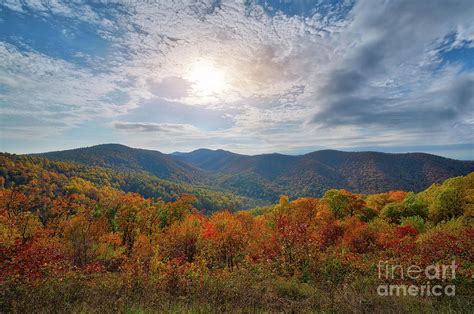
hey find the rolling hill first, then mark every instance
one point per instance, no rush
(122, 157)
(267, 176)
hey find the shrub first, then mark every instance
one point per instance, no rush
(416, 222)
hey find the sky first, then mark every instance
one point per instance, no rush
(246, 76)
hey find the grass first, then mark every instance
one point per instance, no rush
(238, 293)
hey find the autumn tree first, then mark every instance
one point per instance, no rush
(294, 236)
(176, 211)
(343, 203)
(128, 218)
(412, 205)
(224, 239)
(181, 239)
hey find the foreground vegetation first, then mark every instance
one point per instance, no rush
(68, 244)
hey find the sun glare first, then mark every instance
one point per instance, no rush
(207, 78)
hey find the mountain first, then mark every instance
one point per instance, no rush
(313, 173)
(122, 157)
(215, 160)
(267, 176)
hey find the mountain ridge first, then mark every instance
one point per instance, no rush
(124, 157)
(267, 176)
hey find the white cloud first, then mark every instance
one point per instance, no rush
(167, 128)
(41, 87)
(334, 80)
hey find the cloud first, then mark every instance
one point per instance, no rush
(155, 127)
(309, 74)
(171, 87)
(163, 111)
(430, 110)
(39, 86)
(388, 77)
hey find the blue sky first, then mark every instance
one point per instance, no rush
(251, 76)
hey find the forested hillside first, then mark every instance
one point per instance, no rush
(122, 157)
(265, 177)
(25, 171)
(72, 239)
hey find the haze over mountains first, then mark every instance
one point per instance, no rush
(266, 177)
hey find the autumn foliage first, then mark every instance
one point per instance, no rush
(55, 228)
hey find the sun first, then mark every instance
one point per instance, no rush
(207, 78)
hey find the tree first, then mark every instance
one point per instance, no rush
(343, 203)
(449, 204)
(77, 232)
(294, 235)
(128, 218)
(181, 239)
(177, 210)
(411, 206)
(224, 239)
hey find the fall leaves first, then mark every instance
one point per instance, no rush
(53, 226)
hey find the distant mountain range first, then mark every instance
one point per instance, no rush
(267, 176)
